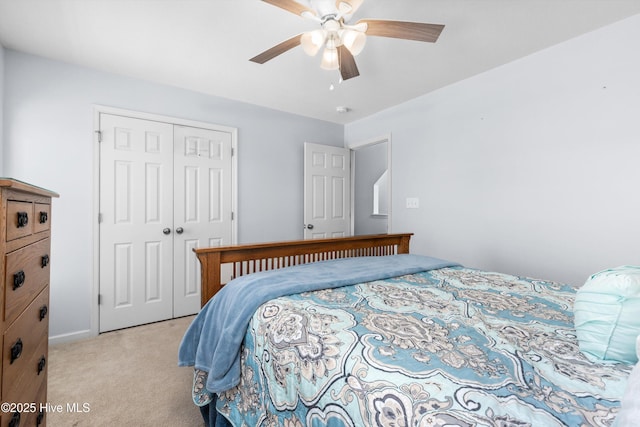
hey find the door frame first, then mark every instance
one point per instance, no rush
(102, 109)
(361, 144)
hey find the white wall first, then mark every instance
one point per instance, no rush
(532, 168)
(1, 109)
(48, 135)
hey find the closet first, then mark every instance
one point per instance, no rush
(165, 189)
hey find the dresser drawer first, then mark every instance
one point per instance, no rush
(27, 273)
(25, 345)
(34, 415)
(19, 219)
(41, 217)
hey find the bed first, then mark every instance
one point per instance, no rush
(357, 332)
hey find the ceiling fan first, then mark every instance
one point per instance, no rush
(340, 40)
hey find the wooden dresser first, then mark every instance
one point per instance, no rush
(25, 241)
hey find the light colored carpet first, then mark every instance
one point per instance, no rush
(126, 378)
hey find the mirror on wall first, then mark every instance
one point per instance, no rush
(371, 188)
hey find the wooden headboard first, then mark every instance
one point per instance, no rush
(251, 258)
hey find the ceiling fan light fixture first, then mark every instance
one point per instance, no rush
(330, 59)
(331, 24)
(344, 8)
(348, 7)
(341, 41)
(307, 14)
(312, 41)
(353, 40)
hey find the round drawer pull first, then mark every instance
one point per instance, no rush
(16, 350)
(41, 364)
(15, 420)
(18, 279)
(23, 219)
(45, 261)
(43, 312)
(43, 217)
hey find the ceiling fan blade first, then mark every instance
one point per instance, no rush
(403, 30)
(348, 68)
(277, 50)
(291, 6)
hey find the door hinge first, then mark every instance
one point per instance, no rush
(99, 218)
(232, 216)
(233, 152)
(99, 299)
(99, 133)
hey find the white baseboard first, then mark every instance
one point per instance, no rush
(71, 337)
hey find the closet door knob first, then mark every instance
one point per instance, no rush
(166, 231)
(179, 230)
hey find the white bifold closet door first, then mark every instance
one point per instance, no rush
(165, 189)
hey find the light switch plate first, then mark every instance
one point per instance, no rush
(413, 203)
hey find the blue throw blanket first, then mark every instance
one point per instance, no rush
(214, 339)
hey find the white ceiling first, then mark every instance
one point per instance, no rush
(205, 45)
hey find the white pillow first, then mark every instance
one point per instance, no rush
(606, 314)
(629, 414)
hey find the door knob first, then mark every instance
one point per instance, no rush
(166, 231)
(179, 230)
(309, 226)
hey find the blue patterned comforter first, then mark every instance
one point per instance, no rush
(214, 339)
(451, 346)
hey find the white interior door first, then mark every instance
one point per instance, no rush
(165, 189)
(136, 203)
(327, 191)
(202, 206)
